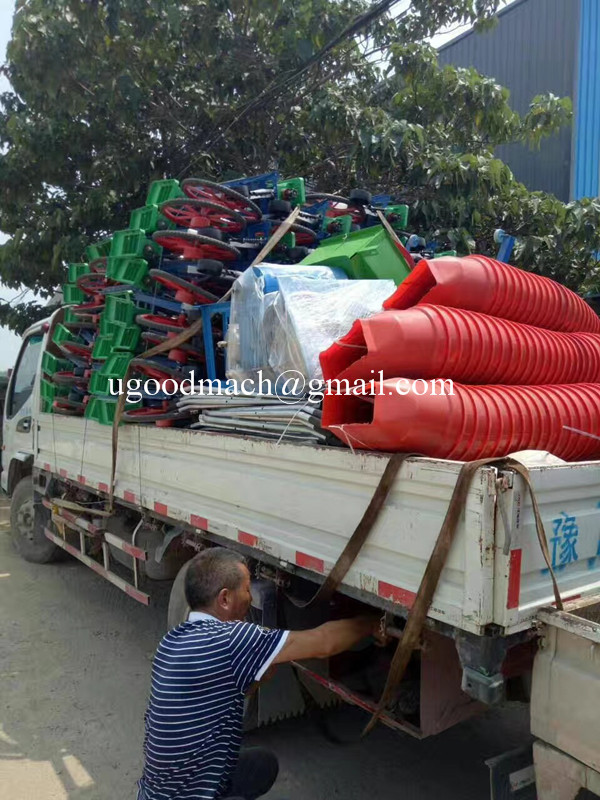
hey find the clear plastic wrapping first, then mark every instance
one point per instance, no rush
(284, 326)
(253, 294)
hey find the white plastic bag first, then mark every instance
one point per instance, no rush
(305, 319)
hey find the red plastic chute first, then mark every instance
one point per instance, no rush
(474, 422)
(477, 283)
(428, 341)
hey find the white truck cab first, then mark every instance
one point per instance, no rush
(17, 429)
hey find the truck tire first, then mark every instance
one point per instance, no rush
(178, 608)
(27, 534)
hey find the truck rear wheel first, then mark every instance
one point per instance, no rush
(27, 534)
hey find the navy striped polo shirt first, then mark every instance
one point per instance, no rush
(201, 671)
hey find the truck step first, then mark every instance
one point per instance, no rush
(115, 579)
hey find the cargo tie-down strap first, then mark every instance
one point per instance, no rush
(181, 338)
(361, 533)
(418, 613)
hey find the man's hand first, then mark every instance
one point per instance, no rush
(328, 639)
(378, 633)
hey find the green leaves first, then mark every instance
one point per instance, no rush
(110, 95)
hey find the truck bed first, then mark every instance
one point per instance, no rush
(298, 505)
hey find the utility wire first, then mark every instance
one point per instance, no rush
(361, 21)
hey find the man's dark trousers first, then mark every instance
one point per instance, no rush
(255, 774)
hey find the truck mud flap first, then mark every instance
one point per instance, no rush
(512, 775)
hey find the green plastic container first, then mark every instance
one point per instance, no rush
(103, 348)
(114, 368)
(369, 254)
(72, 295)
(127, 269)
(52, 364)
(103, 411)
(70, 316)
(149, 219)
(99, 249)
(49, 392)
(77, 270)
(119, 308)
(125, 337)
(133, 242)
(62, 334)
(161, 191)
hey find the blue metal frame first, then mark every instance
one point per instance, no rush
(208, 312)
(586, 166)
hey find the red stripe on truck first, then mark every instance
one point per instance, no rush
(247, 538)
(139, 596)
(396, 594)
(310, 562)
(62, 473)
(47, 468)
(199, 522)
(161, 508)
(81, 479)
(514, 579)
(128, 496)
(103, 487)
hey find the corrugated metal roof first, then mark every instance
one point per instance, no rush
(531, 50)
(587, 136)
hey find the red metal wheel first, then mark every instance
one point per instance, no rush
(304, 236)
(185, 292)
(164, 415)
(161, 323)
(201, 213)
(161, 373)
(339, 206)
(68, 379)
(356, 212)
(89, 309)
(192, 246)
(68, 407)
(200, 189)
(75, 349)
(92, 283)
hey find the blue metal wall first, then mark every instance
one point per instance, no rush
(586, 167)
(533, 49)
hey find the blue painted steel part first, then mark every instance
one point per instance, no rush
(156, 302)
(271, 275)
(506, 248)
(208, 312)
(586, 173)
(267, 181)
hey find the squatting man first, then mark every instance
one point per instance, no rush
(201, 673)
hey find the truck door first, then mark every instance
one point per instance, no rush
(17, 432)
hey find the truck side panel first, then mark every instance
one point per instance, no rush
(299, 504)
(569, 500)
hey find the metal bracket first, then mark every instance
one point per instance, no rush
(488, 689)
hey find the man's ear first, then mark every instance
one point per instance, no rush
(223, 598)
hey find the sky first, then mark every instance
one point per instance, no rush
(10, 342)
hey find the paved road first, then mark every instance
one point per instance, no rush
(75, 659)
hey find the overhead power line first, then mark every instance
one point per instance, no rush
(272, 91)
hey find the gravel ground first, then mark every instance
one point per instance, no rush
(75, 656)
